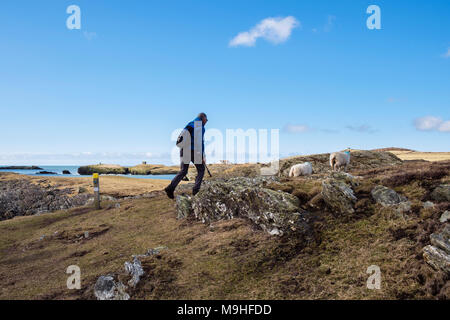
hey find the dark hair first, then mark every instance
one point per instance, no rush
(202, 116)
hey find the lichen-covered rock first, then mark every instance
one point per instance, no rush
(184, 206)
(437, 254)
(437, 258)
(107, 288)
(441, 193)
(338, 195)
(387, 197)
(134, 269)
(21, 197)
(445, 216)
(276, 212)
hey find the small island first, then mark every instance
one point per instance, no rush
(21, 168)
(142, 169)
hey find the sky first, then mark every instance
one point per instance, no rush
(115, 90)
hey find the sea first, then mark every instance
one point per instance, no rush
(74, 172)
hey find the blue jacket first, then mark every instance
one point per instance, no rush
(195, 131)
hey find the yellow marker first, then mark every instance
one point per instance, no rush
(96, 191)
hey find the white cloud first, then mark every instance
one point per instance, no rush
(275, 30)
(295, 128)
(444, 127)
(430, 123)
(364, 128)
(447, 54)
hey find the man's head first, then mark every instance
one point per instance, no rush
(203, 117)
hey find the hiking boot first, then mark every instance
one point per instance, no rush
(194, 192)
(169, 193)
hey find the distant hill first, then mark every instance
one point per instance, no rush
(393, 149)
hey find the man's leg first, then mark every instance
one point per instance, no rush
(176, 180)
(199, 178)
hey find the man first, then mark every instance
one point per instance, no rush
(196, 132)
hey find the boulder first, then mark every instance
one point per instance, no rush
(441, 193)
(66, 172)
(387, 197)
(134, 269)
(107, 288)
(276, 212)
(338, 194)
(184, 206)
(437, 254)
(445, 216)
(45, 172)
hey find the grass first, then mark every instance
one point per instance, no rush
(417, 155)
(229, 259)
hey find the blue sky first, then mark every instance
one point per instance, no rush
(115, 90)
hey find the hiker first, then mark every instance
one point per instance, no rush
(194, 133)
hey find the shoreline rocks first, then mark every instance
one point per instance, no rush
(22, 198)
(142, 169)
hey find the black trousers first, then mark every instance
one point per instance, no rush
(184, 167)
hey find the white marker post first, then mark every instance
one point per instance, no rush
(96, 191)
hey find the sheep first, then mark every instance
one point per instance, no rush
(339, 160)
(301, 169)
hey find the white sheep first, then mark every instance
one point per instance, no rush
(339, 160)
(301, 169)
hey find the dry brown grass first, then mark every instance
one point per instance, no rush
(417, 155)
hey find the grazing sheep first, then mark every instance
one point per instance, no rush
(339, 160)
(301, 169)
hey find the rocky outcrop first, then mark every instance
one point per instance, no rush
(45, 172)
(338, 194)
(437, 254)
(445, 216)
(276, 212)
(142, 169)
(102, 169)
(184, 206)
(441, 193)
(387, 197)
(20, 198)
(107, 288)
(66, 172)
(155, 169)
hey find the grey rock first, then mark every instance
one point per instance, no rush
(437, 258)
(21, 198)
(183, 203)
(134, 269)
(428, 204)
(445, 216)
(437, 254)
(338, 195)
(107, 288)
(441, 193)
(387, 197)
(276, 212)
